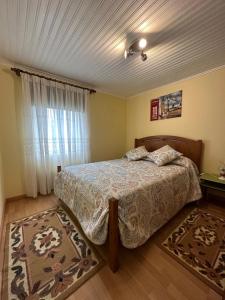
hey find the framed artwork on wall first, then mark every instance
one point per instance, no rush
(167, 106)
(154, 109)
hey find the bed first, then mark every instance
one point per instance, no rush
(126, 202)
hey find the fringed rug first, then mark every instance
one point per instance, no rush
(46, 257)
(198, 243)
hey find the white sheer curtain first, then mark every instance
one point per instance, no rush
(55, 130)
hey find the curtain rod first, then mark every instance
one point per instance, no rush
(18, 71)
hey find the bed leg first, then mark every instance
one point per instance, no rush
(113, 235)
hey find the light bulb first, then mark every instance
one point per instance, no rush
(142, 43)
(125, 54)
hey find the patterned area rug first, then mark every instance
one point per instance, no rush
(198, 243)
(46, 257)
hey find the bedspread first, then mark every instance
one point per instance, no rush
(148, 195)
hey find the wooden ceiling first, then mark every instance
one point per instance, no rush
(85, 40)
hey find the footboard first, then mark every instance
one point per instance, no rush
(113, 233)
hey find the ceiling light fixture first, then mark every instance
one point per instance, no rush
(136, 46)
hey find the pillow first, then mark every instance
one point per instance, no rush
(148, 157)
(163, 155)
(137, 153)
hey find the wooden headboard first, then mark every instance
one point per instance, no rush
(190, 148)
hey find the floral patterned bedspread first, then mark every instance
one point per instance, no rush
(148, 195)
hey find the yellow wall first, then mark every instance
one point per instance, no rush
(9, 138)
(107, 126)
(203, 115)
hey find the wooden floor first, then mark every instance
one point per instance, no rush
(145, 273)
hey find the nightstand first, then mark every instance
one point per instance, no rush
(211, 185)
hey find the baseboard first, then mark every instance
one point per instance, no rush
(16, 198)
(2, 245)
(2, 225)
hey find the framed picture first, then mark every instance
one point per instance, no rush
(154, 109)
(167, 106)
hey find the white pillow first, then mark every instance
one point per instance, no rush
(137, 153)
(163, 155)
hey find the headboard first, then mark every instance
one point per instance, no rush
(190, 148)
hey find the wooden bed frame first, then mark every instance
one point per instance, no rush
(190, 148)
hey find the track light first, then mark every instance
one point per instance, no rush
(136, 46)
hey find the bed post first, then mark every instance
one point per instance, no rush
(59, 168)
(113, 235)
